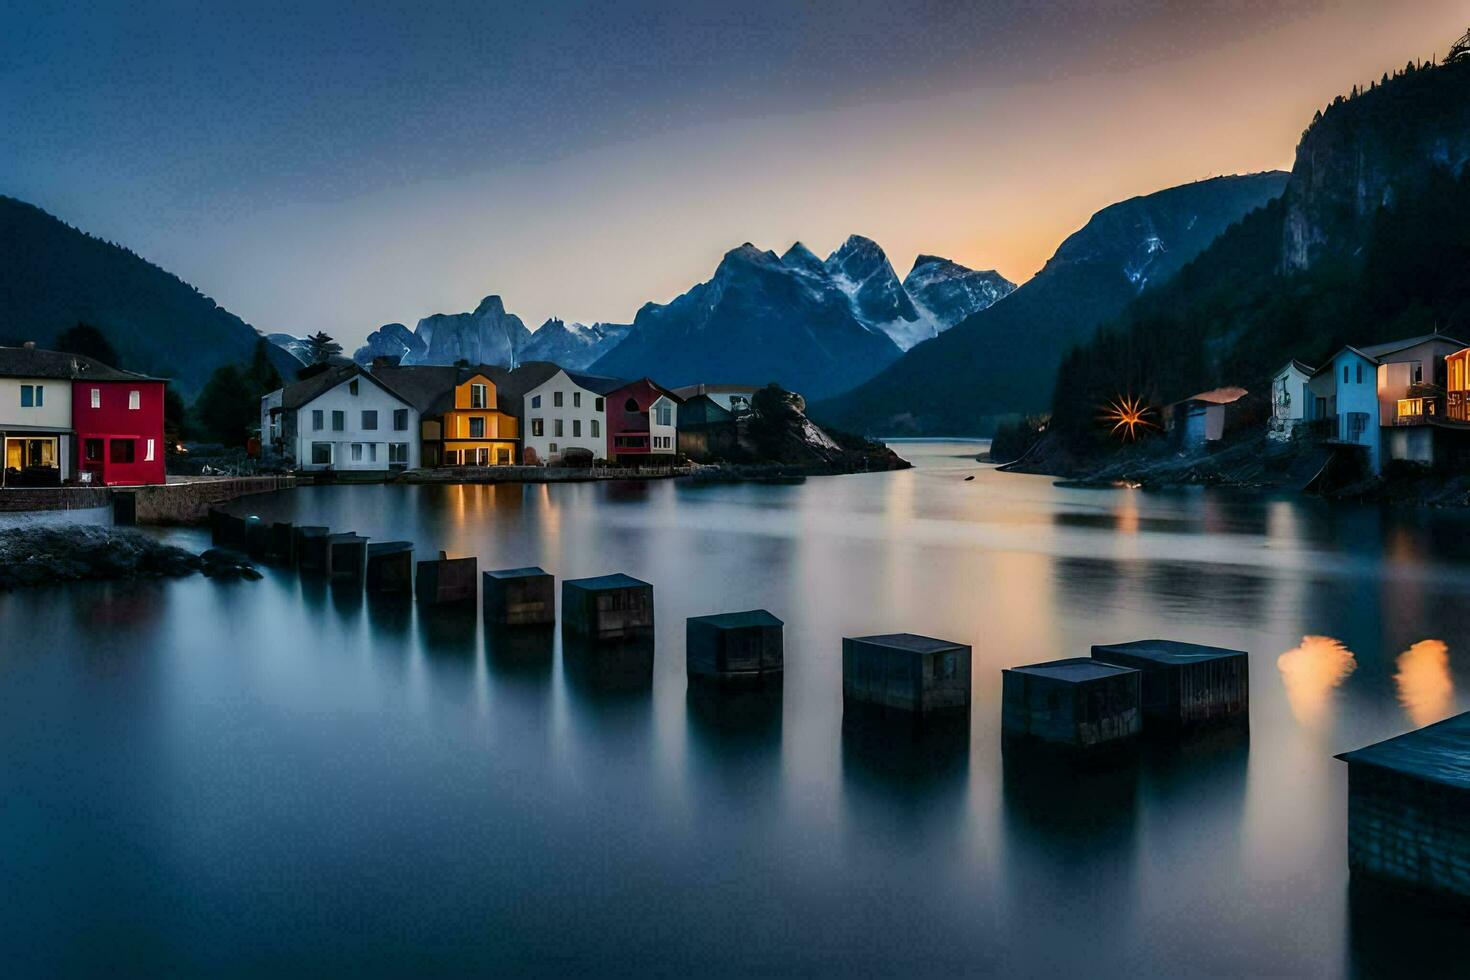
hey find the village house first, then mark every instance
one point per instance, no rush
(69, 418)
(567, 411)
(460, 418)
(641, 422)
(1200, 419)
(1291, 399)
(1388, 399)
(341, 419)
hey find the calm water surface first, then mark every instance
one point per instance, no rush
(260, 777)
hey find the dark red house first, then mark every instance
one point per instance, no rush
(642, 421)
(118, 420)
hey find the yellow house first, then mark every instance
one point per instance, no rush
(470, 429)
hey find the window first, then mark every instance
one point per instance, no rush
(535, 401)
(400, 420)
(121, 451)
(552, 447)
(451, 457)
(321, 453)
(32, 396)
(369, 420)
(316, 420)
(96, 397)
(482, 456)
(576, 399)
(665, 413)
(398, 452)
(352, 386)
(556, 399)
(1416, 373)
(576, 428)
(477, 427)
(148, 452)
(92, 450)
(479, 396)
(372, 452)
(597, 404)
(502, 457)
(339, 421)
(1359, 379)
(631, 405)
(538, 428)
(596, 428)
(1344, 374)
(1357, 424)
(135, 400)
(357, 452)
(558, 424)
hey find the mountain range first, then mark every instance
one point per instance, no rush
(53, 276)
(488, 335)
(1003, 358)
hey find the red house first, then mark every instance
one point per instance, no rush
(641, 421)
(118, 420)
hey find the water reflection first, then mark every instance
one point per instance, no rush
(1311, 671)
(523, 652)
(1425, 687)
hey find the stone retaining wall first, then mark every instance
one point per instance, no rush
(15, 499)
(189, 502)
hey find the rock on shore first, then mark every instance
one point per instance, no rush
(47, 555)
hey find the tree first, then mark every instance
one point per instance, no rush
(88, 341)
(262, 372)
(229, 406)
(320, 348)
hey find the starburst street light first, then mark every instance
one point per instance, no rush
(1128, 415)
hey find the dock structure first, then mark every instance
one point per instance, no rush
(390, 567)
(904, 672)
(1185, 684)
(519, 597)
(608, 607)
(1077, 704)
(282, 543)
(347, 557)
(446, 581)
(1409, 808)
(739, 647)
(257, 537)
(309, 544)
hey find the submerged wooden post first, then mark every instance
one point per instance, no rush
(257, 537)
(734, 647)
(1185, 684)
(906, 673)
(445, 581)
(310, 545)
(282, 542)
(1408, 800)
(390, 566)
(519, 597)
(1078, 704)
(346, 557)
(607, 607)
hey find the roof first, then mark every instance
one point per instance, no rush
(911, 642)
(1379, 350)
(517, 572)
(1074, 670)
(1216, 396)
(596, 382)
(737, 620)
(34, 362)
(1439, 753)
(1170, 653)
(690, 391)
(1301, 366)
(600, 582)
(420, 384)
(301, 393)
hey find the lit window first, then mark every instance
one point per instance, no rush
(538, 428)
(478, 396)
(477, 427)
(148, 452)
(96, 397)
(135, 400)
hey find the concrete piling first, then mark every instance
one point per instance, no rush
(519, 597)
(740, 647)
(257, 537)
(346, 557)
(390, 567)
(1185, 684)
(445, 581)
(906, 673)
(1078, 704)
(607, 607)
(281, 546)
(310, 546)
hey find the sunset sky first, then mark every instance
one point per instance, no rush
(335, 167)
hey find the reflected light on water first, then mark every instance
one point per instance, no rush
(1311, 672)
(1425, 688)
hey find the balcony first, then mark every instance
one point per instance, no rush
(1418, 410)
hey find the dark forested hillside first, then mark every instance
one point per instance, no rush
(53, 276)
(1369, 243)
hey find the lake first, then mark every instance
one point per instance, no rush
(273, 776)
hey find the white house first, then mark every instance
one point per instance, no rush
(1291, 399)
(1382, 396)
(566, 411)
(341, 419)
(35, 411)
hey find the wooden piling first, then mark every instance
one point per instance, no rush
(906, 673)
(390, 567)
(1078, 704)
(1185, 684)
(445, 581)
(519, 597)
(607, 607)
(740, 647)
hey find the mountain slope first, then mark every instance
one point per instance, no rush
(1003, 359)
(489, 335)
(757, 320)
(53, 275)
(574, 346)
(947, 292)
(1369, 243)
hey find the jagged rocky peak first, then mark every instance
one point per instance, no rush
(295, 346)
(489, 335)
(862, 270)
(949, 291)
(803, 259)
(573, 346)
(389, 340)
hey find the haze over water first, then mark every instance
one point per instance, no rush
(252, 777)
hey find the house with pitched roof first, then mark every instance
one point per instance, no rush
(566, 411)
(641, 422)
(343, 418)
